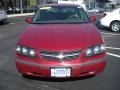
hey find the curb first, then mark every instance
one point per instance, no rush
(19, 15)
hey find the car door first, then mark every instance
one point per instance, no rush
(117, 14)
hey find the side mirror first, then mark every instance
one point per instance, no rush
(92, 19)
(28, 19)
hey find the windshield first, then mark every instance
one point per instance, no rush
(60, 14)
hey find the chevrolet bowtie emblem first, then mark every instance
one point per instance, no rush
(60, 56)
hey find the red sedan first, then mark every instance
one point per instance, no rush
(60, 42)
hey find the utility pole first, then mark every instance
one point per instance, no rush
(5, 6)
(13, 6)
(89, 3)
(21, 6)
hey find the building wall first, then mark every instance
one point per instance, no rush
(80, 2)
(115, 1)
(21, 6)
(25, 6)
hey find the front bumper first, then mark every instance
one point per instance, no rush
(2, 20)
(3, 17)
(104, 23)
(77, 70)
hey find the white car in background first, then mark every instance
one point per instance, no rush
(3, 15)
(111, 20)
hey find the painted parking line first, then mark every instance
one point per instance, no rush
(11, 23)
(17, 23)
(19, 18)
(113, 48)
(115, 55)
(110, 34)
(111, 54)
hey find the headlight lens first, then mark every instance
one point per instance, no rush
(25, 51)
(18, 48)
(32, 53)
(95, 50)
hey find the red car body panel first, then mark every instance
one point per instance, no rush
(45, 71)
(60, 37)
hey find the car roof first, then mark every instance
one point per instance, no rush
(60, 5)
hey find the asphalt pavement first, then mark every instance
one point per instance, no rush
(10, 79)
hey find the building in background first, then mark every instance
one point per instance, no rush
(96, 3)
(19, 6)
(27, 6)
(80, 2)
(23, 6)
(115, 1)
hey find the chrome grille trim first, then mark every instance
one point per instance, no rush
(65, 55)
(96, 61)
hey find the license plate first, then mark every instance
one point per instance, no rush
(60, 72)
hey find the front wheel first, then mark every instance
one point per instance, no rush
(115, 26)
(4, 22)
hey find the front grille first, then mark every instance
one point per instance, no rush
(65, 55)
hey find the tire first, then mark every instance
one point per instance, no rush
(4, 22)
(115, 26)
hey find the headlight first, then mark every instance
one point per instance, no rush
(25, 51)
(32, 53)
(95, 50)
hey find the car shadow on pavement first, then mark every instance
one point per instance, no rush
(102, 27)
(4, 23)
(58, 79)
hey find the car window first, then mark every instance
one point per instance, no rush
(60, 15)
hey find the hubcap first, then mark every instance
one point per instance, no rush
(116, 27)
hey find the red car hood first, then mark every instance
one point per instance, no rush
(60, 36)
